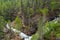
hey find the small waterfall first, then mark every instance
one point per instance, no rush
(21, 34)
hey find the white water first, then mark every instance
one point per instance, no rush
(21, 34)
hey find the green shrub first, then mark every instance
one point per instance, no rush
(2, 24)
(18, 23)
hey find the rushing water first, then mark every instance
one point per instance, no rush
(21, 34)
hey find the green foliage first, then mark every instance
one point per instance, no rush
(44, 11)
(6, 5)
(18, 22)
(54, 4)
(53, 25)
(31, 11)
(35, 36)
(2, 23)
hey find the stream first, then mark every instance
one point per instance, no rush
(21, 34)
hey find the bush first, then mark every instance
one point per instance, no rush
(2, 23)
